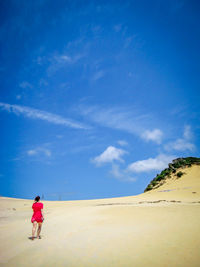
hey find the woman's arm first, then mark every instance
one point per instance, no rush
(42, 213)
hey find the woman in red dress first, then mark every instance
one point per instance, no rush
(37, 217)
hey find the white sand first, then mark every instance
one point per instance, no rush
(158, 228)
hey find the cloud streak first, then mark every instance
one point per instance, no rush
(41, 115)
(123, 119)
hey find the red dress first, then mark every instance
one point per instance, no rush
(37, 215)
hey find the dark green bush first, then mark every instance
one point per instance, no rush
(179, 174)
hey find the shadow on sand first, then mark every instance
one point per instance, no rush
(30, 238)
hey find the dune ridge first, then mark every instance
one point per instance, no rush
(157, 228)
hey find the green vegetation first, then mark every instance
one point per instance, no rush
(166, 173)
(179, 174)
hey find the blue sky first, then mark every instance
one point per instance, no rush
(96, 97)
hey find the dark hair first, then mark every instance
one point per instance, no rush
(37, 198)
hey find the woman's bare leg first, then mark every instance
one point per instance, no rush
(39, 229)
(34, 229)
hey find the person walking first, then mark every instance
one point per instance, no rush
(37, 217)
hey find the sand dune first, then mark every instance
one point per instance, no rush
(158, 228)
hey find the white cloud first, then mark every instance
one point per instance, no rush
(18, 97)
(158, 163)
(182, 144)
(109, 155)
(154, 135)
(39, 150)
(122, 142)
(42, 115)
(120, 174)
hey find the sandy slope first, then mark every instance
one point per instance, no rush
(157, 228)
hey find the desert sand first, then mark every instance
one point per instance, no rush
(158, 228)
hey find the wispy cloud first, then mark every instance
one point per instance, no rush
(39, 151)
(182, 144)
(109, 155)
(115, 118)
(123, 119)
(122, 142)
(158, 163)
(187, 133)
(42, 115)
(59, 136)
(62, 60)
(98, 75)
(25, 84)
(121, 175)
(154, 135)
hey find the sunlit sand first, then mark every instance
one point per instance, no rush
(158, 228)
